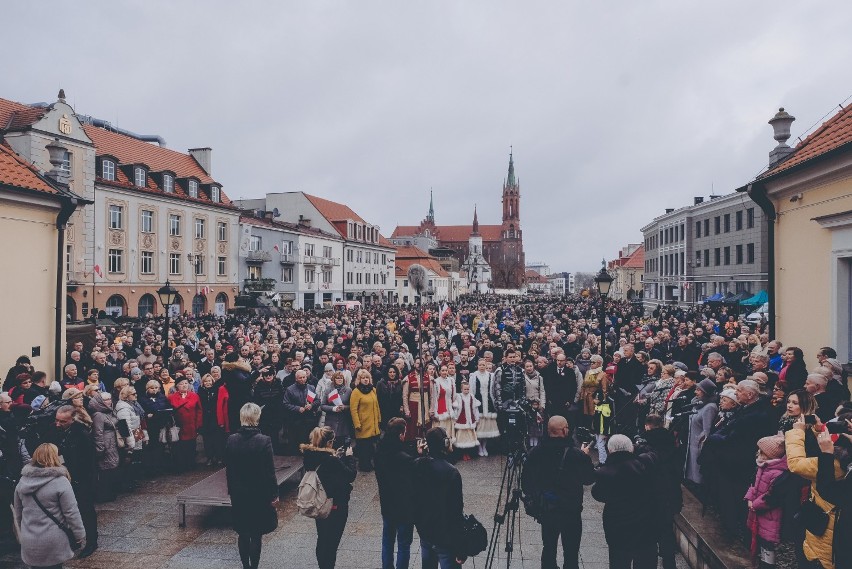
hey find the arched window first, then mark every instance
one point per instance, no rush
(177, 308)
(70, 309)
(147, 305)
(199, 304)
(115, 305)
(221, 307)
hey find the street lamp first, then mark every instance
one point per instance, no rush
(603, 280)
(167, 294)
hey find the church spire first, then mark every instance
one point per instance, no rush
(510, 181)
(431, 215)
(475, 222)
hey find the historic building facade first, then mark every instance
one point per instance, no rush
(502, 245)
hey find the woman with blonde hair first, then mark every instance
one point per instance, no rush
(591, 383)
(364, 407)
(46, 512)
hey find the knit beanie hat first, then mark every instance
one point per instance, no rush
(730, 393)
(619, 443)
(708, 386)
(772, 447)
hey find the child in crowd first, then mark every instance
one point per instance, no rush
(535, 428)
(764, 514)
(466, 411)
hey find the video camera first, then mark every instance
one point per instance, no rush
(516, 413)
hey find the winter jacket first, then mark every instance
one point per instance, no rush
(237, 379)
(339, 421)
(209, 401)
(296, 396)
(390, 399)
(77, 449)
(188, 415)
(534, 387)
(336, 473)
(439, 503)
(222, 401)
(105, 434)
(700, 424)
(624, 485)
(394, 475)
(763, 519)
(559, 468)
(269, 396)
(838, 492)
(250, 472)
(43, 543)
(660, 452)
(816, 547)
(366, 415)
(124, 411)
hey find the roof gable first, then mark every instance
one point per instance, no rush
(16, 172)
(15, 115)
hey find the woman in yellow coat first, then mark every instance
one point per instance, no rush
(817, 547)
(364, 406)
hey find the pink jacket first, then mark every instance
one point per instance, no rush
(764, 521)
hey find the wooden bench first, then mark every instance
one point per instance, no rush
(213, 490)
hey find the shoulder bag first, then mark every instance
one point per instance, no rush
(813, 518)
(72, 541)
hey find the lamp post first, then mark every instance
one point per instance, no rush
(167, 294)
(603, 280)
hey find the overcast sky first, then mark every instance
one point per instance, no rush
(616, 110)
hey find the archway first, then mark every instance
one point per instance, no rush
(199, 304)
(221, 305)
(116, 305)
(147, 305)
(70, 309)
(177, 308)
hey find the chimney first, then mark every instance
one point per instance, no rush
(204, 157)
(781, 125)
(56, 155)
(267, 215)
(304, 221)
(698, 200)
(669, 209)
(714, 197)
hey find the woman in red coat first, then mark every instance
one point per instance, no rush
(188, 416)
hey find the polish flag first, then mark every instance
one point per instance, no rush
(98, 271)
(445, 312)
(334, 398)
(205, 290)
(310, 397)
(276, 247)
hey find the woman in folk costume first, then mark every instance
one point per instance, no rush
(413, 410)
(480, 385)
(466, 411)
(443, 396)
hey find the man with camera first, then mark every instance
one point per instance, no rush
(509, 387)
(552, 481)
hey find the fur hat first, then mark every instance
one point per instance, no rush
(772, 447)
(708, 386)
(618, 443)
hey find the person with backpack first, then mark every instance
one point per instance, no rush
(328, 477)
(552, 481)
(250, 471)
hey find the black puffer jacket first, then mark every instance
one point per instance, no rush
(625, 485)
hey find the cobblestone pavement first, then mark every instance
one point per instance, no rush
(140, 531)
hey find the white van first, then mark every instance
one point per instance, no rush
(761, 313)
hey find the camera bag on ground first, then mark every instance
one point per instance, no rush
(311, 499)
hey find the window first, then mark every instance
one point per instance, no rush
(384, 278)
(717, 257)
(310, 276)
(168, 184)
(287, 275)
(717, 225)
(116, 217)
(66, 161)
(198, 260)
(146, 221)
(174, 225)
(375, 258)
(384, 259)
(706, 227)
(698, 258)
(199, 229)
(326, 277)
(366, 277)
(309, 249)
(349, 256)
(146, 263)
(108, 170)
(375, 278)
(360, 256)
(222, 230)
(727, 223)
(750, 217)
(326, 252)
(215, 194)
(405, 283)
(706, 257)
(255, 243)
(115, 261)
(220, 266)
(727, 255)
(139, 177)
(682, 231)
(287, 248)
(255, 273)
(739, 254)
(349, 277)
(174, 263)
(358, 278)
(750, 253)
(697, 229)
(193, 189)
(738, 220)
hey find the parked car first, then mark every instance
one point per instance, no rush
(761, 313)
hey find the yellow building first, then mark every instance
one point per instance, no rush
(806, 195)
(34, 212)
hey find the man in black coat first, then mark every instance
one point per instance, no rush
(269, 396)
(394, 475)
(560, 385)
(440, 505)
(236, 375)
(686, 353)
(623, 484)
(553, 479)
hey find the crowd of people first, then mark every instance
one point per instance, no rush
(690, 396)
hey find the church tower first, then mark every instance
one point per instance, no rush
(508, 268)
(475, 267)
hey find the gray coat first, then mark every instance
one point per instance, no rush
(42, 542)
(340, 422)
(104, 433)
(699, 429)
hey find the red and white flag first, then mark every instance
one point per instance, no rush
(445, 312)
(334, 398)
(98, 271)
(276, 247)
(310, 397)
(205, 290)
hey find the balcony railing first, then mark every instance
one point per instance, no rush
(331, 261)
(310, 260)
(258, 257)
(287, 259)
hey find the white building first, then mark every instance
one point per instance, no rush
(476, 270)
(540, 267)
(439, 283)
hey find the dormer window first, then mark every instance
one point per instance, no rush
(168, 184)
(215, 194)
(193, 189)
(139, 177)
(108, 170)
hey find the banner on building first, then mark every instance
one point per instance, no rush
(245, 240)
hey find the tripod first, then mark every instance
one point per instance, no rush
(508, 501)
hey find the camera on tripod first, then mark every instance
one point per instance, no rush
(516, 414)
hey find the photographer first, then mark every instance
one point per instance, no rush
(553, 479)
(440, 505)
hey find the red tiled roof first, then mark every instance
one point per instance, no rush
(450, 233)
(336, 212)
(535, 276)
(18, 173)
(251, 220)
(402, 265)
(636, 260)
(834, 133)
(16, 115)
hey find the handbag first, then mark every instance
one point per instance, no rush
(813, 518)
(475, 536)
(138, 434)
(72, 541)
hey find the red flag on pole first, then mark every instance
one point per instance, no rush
(98, 271)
